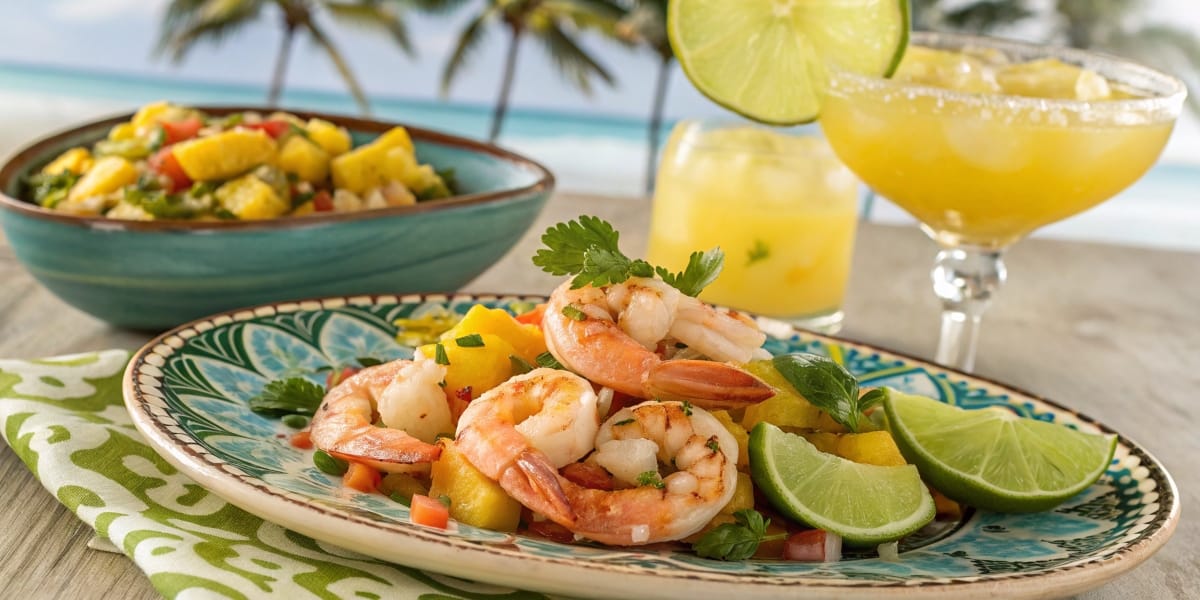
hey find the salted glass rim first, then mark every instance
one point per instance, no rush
(1168, 92)
(693, 138)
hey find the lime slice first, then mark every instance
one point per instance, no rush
(766, 59)
(992, 458)
(865, 504)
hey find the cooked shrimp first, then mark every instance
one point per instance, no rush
(700, 477)
(612, 333)
(520, 432)
(344, 425)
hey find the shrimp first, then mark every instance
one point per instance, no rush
(520, 432)
(635, 440)
(611, 336)
(344, 424)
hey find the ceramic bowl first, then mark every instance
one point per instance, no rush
(153, 275)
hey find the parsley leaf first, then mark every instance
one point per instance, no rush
(294, 396)
(826, 385)
(547, 360)
(472, 340)
(588, 249)
(736, 541)
(520, 366)
(702, 269)
(650, 478)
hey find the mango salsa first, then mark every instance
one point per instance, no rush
(224, 155)
(108, 174)
(474, 499)
(75, 160)
(304, 159)
(249, 197)
(366, 167)
(526, 340)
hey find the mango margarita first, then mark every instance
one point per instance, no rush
(782, 207)
(976, 153)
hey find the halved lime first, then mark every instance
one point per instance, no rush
(992, 458)
(766, 59)
(865, 504)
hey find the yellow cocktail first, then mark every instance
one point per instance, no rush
(985, 140)
(780, 205)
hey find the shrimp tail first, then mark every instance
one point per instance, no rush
(708, 384)
(540, 487)
(382, 445)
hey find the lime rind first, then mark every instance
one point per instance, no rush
(1020, 456)
(864, 504)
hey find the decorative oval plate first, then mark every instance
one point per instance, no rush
(187, 392)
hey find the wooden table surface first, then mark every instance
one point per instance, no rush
(1113, 331)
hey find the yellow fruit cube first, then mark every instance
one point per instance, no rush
(224, 155)
(743, 495)
(526, 340)
(396, 137)
(785, 409)
(401, 165)
(474, 499)
(403, 484)
(75, 160)
(304, 159)
(331, 138)
(307, 208)
(249, 197)
(368, 166)
(150, 113)
(739, 433)
(123, 131)
(872, 448)
(474, 368)
(825, 442)
(108, 174)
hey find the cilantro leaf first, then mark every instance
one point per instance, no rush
(826, 385)
(567, 243)
(702, 269)
(294, 396)
(736, 541)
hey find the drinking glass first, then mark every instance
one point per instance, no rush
(981, 170)
(778, 203)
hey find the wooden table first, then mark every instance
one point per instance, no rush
(1113, 331)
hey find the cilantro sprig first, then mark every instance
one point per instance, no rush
(736, 541)
(828, 386)
(293, 396)
(588, 249)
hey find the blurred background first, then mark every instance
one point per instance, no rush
(588, 87)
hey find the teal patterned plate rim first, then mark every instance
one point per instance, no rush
(186, 391)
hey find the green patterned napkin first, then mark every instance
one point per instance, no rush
(65, 418)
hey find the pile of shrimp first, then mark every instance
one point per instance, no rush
(654, 466)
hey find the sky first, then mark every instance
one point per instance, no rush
(119, 35)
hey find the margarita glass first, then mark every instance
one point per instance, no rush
(981, 164)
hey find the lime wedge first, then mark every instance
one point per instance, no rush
(992, 458)
(766, 59)
(865, 504)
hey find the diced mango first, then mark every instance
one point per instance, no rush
(123, 131)
(150, 113)
(75, 160)
(249, 197)
(332, 139)
(304, 159)
(401, 165)
(474, 498)
(825, 442)
(785, 409)
(402, 484)
(739, 433)
(129, 212)
(367, 166)
(396, 137)
(527, 340)
(307, 208)
(946, 508)
(224, 155)
(108, 174)
(871, 448)
(476, 369)
(743, 495)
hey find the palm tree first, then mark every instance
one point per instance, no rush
(646, 23)
(554, 23)
(187, 22)
(1117, 26)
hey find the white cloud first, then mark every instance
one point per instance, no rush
(95, 11)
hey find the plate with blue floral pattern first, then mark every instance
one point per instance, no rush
(188, 390)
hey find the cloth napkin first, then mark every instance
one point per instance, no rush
(65, 418)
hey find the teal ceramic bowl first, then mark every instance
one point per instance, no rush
(157, 274)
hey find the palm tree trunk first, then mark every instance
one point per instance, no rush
(281, 63)
(656, 114)
(510, 67)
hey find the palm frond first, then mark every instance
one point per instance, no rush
(339, 62)
(437, 6)
(646, 23)
(468, 41)
(189, 21)
(572, 61)
(602, 15)
(368, 14)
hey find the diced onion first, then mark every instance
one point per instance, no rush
(890, 552)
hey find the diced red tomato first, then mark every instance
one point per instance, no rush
(322, 201)
(336, 377)
(424, 510)
(362, 477)
(551, 531)
(178, 131)
(273, 128)
(164, 163)
(464, 394)
(588, 475)
(812, 545)
(301, 440)
(534, 316)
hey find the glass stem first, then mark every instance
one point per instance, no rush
(965, 279)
